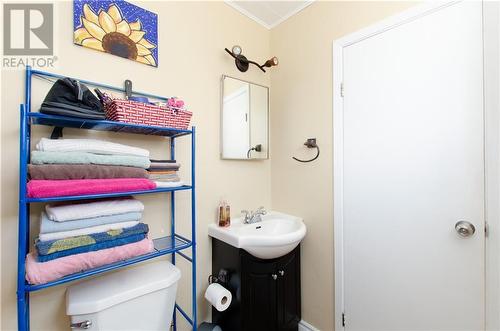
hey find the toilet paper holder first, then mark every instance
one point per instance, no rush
(221, 278)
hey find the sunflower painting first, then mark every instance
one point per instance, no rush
(117, 27)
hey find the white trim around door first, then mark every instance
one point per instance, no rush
(491, 21)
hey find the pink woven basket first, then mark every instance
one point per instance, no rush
(142, 113)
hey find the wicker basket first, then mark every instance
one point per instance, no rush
(147, 114)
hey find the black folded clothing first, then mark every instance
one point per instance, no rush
(69, 97)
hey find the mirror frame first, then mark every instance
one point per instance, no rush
(223, 77)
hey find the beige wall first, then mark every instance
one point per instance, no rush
(192, 59)
(301, 108)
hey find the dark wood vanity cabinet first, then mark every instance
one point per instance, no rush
(266, 293)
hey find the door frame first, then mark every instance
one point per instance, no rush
(491, 51)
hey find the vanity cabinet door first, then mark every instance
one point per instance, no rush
(288, 291)
(259, 290)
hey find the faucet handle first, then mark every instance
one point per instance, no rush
(245, 212)
(261, 210)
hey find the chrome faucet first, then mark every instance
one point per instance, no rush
(253, 216)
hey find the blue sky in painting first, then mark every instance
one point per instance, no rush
(130, 13)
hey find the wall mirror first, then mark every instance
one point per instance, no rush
(244, 120)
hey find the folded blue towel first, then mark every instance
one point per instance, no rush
(95, 247)
(48, 226)
(59, 245)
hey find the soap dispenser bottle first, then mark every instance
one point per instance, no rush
(224, 214)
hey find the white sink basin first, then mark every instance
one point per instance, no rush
(277, 234)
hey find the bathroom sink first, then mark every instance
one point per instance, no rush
(276, 235)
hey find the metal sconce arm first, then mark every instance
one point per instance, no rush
(242, 62)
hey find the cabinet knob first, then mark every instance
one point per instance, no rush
(281, 273)
(274, 276)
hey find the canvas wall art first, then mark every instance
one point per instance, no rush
(117, 27)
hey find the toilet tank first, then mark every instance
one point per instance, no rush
(137, 298)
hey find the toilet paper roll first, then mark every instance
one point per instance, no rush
(209, 327)
(218, 296)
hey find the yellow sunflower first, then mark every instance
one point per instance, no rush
(109, 32)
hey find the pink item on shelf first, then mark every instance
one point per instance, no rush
(176, 103)
(44, 272)
(58, 188)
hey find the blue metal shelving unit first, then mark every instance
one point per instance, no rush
(173, 244)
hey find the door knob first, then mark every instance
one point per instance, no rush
(281, 272)
(465, 229)
(274, 276)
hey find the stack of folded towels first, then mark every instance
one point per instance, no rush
(77, 237)
(164, 173)
(63, 167)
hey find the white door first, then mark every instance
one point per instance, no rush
(413, 166)
(236, 124)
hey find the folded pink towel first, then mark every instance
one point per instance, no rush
(56, 188)
(44, 272)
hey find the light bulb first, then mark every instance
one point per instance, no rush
(275, 60)
(236, 50)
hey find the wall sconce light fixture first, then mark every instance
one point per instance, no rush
(242, 63)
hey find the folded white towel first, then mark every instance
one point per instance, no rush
(63, 213)
(85, 231)
(168, 184)
(90, 146)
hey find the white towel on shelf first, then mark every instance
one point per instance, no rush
(69, 212)
(90, 146)
(168, 184)
(85, 231)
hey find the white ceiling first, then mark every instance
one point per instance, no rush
(269, 13)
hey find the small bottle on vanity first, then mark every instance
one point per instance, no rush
(228, 215)
(224, 214)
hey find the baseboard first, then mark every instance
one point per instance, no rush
(304, 326)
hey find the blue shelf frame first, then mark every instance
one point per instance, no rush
(174, 244)
(104, 125)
